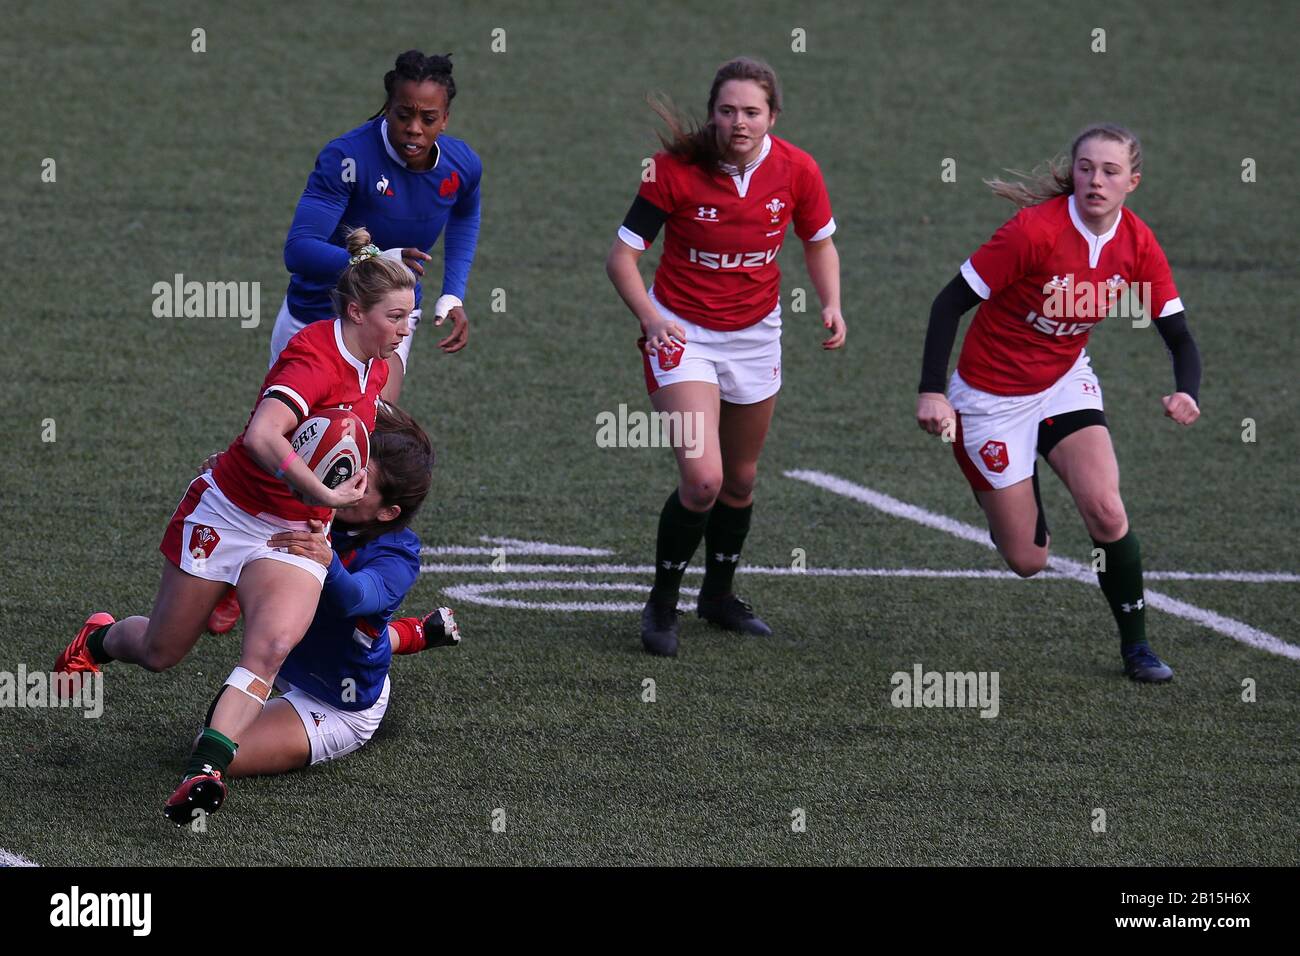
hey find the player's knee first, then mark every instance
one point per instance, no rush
(1105, 517)
(1026, 563)
(160, 657)
(699, 491)
(267, 650)
(739, 485)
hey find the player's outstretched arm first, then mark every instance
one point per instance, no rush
(823, 261)
(933, 412)
(1182, 405)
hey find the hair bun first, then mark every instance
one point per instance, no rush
(358, 239)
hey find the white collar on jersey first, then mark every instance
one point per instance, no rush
(742, 182)
(1095, 242)
(388, 148)
(362, 368)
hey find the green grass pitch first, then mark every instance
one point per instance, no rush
(171, 161)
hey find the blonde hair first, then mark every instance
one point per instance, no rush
(366, 281)
(1055, 176)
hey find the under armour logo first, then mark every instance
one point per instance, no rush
(707, 212)
(1136, 606)
(719, 556)
(673, 566)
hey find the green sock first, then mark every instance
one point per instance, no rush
(1121, 582)
(95, 645)
(214, 750)
(723, 538)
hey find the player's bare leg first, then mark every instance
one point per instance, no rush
(1013, 517)
(1085, 460)
(276, 742)
(155, 642)
(179, 618)
(699, 465)
(685, 513)
(742, 431)
(279, 601)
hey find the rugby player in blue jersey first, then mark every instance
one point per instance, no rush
(407, 181)
(334, 684)
(401, 175)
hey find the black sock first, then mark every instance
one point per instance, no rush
(95, 645)
(723, 538)
(1121, 582)
(680, 531)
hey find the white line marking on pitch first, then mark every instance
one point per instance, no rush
(478, 594)
(1242, 577)
(1235, 629)
(13, 859)
(516, 546)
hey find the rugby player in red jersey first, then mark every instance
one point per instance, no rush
(1024, 385)
(220, 534)
(724, 194)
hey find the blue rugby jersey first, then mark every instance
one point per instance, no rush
(348, 639)
(360, 180)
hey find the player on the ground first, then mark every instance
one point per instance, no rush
(1024, 385)
(724, 193)
(334, 684)
(401, 175)
(260, 487)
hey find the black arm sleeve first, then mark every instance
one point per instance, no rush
(1183, 351)
(956, 299)
(645, 219)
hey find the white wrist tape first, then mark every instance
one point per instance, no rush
(445, 304)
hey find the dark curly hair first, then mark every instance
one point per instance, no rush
(414, 65)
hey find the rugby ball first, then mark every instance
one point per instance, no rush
(334, 443)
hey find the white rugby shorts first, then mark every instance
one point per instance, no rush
(744, 364)
(334, 732)
(211, 537)
(997, 435)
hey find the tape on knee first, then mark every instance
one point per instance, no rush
(246, 682)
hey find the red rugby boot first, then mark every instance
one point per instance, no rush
(75, 658)
(204, 791)
(225, 614)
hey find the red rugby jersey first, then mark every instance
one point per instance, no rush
(724, 230)
(1047, 281)
(314, 372)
